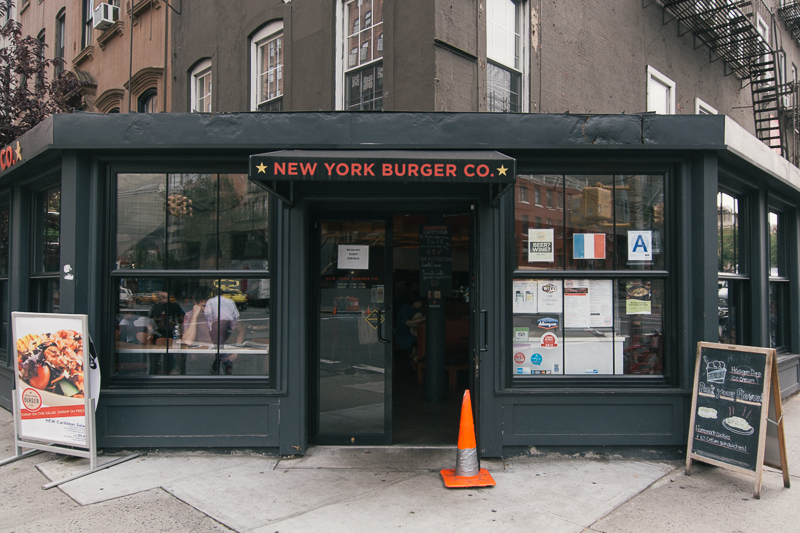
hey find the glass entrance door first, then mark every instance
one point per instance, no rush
(354, 333)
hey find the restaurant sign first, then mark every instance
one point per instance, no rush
(10, 155)
(382, 165)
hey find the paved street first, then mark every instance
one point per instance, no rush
(391, 488)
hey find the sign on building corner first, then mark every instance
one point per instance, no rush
(9, 156)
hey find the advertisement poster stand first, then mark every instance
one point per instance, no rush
(737, 416)
(57, 384)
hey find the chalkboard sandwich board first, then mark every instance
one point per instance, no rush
(737, 418)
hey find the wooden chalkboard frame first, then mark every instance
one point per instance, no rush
(771, 451)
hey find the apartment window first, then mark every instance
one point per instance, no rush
(523, 193)
(779, 305)
(209, 323)
(148, 101)
(44, 285)
(732, 277)
(363, 41)
(611, 322)
(266, 52)
(660, 93)
(59, 48)
(201, 87)
(702, 108)
(41, 52)
(505, 54)
(86, 37)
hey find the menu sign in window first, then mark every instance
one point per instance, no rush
(435, 261)
(733, 388)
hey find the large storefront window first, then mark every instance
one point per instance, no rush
(45, 287)
(779, 305)
(192, 275)
(608, 323)
(732, 275)
(5, 223)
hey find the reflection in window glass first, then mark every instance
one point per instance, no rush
(590, 223)
(50, 206)
(779, 306)
(774, 263)
(608, 222)
(639, 221)
(45, 295)
(197, 327)
(778, 315)
(191, 221)
(728, 308)
(171, 325)
(728, 233)
(588, 327)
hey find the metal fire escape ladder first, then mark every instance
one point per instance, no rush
(768, 90)
(727, 27)
(789, 11)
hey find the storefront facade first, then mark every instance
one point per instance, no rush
(586, 257)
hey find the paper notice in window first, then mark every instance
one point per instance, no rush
(525, 296)
(601, 293)
(353, 257)
(577, 307)
(637, 307)
(540, 245)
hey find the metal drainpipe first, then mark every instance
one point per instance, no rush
(166, 58)
(130, 60)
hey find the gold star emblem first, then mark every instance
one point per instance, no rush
(502, 170)
(262, 168)
(19, 152)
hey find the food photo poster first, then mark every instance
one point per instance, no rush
(52, 377)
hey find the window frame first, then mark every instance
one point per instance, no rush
(202, 69)
(270, 383)
(87, 38)
(780, 280)
(669, 375)
(59, 63)
(702, 108)
(41, 279)
(654, 76)
(739, 281)
(272, 31)
(344, 72)
(519, 73)
(147, 102)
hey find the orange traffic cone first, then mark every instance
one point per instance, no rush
(467, 472)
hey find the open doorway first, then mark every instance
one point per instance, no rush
(415, 420)
(367, 388)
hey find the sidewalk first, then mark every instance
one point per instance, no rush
(380, 489)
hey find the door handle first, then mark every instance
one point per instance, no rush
(484, 328)
(380, 326)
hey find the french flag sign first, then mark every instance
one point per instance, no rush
(589, 246)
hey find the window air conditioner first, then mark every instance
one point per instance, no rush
(104, 15)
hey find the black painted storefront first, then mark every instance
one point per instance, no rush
(697, 155)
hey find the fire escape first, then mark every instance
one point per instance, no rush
(790, 13)
(743, 34)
